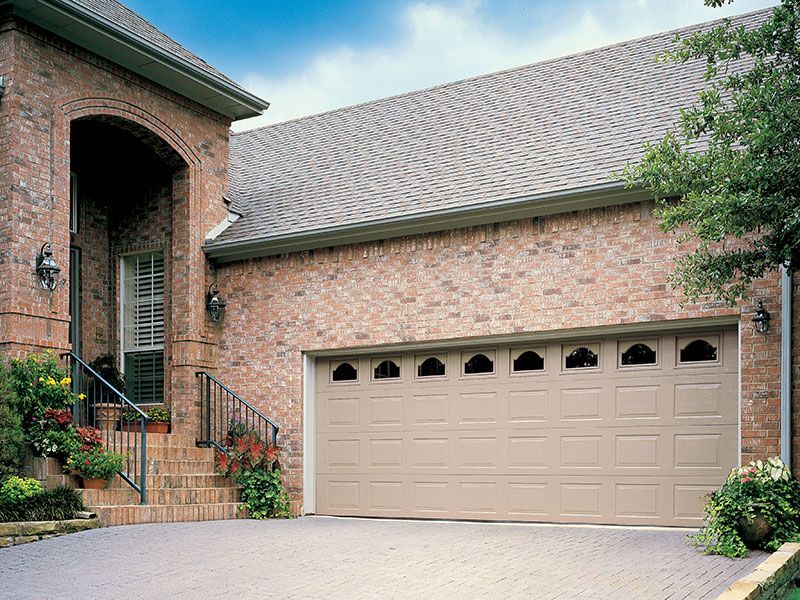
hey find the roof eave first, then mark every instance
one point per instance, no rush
(82, 26)
(606, 194)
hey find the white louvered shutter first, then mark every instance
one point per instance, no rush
(143, 326)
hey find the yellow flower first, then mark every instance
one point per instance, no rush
(41, 379)
(51, 381)
(66, 381)
(35, 359)
(81, 396)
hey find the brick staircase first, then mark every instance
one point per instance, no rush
(181, 486)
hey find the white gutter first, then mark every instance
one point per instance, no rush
(786, 366)
(490, 211)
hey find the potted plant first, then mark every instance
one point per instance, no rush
(758, 506)
(96, 467)
(158, 420)
(130, 420)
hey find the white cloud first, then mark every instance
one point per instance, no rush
(444, 43)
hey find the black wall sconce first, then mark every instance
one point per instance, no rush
(761, 318)
(47, 269)
(214, 304)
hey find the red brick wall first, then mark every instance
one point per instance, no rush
(49, 84)
(584, 269)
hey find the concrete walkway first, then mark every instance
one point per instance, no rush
(321, 557)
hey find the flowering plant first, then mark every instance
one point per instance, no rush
(252, 463)
(158, 414)
(41, 382)
(763, 489)
(96, 463)
(53, 434)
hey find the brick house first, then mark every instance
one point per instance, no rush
(445, 299)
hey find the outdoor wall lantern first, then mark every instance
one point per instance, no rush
(2, 85)
(761, 318)
(47, 269)
(214, 304)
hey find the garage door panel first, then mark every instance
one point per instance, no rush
(477, 407)
(581, 404)
(615, 444)
(527, 406)
(638, 402)
(385, 411)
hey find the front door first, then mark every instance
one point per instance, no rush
(142, 315)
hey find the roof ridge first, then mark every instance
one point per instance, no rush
(677, 30)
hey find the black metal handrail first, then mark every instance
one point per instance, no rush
(101, 405)
(223, 411)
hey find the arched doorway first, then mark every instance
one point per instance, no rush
(124, 182)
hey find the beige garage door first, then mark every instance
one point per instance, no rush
(607, 430)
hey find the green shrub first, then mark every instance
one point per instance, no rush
(51, 505)
(12, 435)
(20, 489)
(96, 463)
(263, 494)
(762, 488)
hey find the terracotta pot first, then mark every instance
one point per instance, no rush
(159, 427)
(94, 484)
(754, 532)
(131, 427)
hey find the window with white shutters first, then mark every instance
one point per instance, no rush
(142, 313)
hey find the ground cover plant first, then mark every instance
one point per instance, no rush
(24, 499)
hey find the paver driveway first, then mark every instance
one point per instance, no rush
(319, 557)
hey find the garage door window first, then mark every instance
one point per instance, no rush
(478, 363)
(343, 372)
(582, 357)
(638, 353)
(431, 366)
(698, 350)
(526, 361)
(385, 369)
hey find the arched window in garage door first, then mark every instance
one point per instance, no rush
(431, 366)
(478, 363)
(343, 371)
(583, 356)
(386, 369)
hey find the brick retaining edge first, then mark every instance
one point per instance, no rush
(22, 532)
(771, 579)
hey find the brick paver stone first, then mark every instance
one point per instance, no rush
(321, 557)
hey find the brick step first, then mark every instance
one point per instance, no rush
(173, 513)
(161, 496)
(174, 453)
(164, 440)
(179, 467)
(178, 480)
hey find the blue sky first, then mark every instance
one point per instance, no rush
(311, 56)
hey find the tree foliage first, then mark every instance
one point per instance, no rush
(733, 158)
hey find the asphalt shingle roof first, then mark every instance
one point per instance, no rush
(124, 17)
(551, 126)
